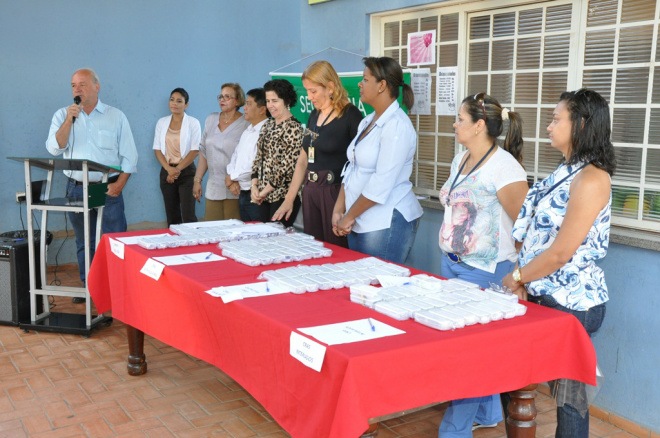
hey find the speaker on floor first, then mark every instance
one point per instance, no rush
(15, 281)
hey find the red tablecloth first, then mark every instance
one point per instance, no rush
(249, 340)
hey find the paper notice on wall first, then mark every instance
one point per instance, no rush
(446, 100)
(420, 82)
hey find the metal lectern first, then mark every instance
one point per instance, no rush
(37, 195)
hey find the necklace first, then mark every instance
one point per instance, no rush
(226, 122)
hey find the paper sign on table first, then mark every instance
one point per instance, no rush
(351, 331)
(133, 240)
(117, 248)
(249, 290)
(186, 259)
(152, 269)
(308, 352)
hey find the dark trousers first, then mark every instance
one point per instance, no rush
(318, 203)
(251, 212)
(271, 207)
(178, 196)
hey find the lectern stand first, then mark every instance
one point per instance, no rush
(93, 197)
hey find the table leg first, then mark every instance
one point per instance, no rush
(137, 361)
(521, 418)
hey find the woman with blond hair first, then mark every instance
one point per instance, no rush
(330, 128)
(222, 131)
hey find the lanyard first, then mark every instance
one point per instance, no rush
(322, 124)
(365, 132)
(455, 184)
(538, 198)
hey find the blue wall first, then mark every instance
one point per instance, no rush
(142, 50)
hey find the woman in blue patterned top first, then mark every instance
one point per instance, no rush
(564, 228)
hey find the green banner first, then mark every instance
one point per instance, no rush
(304, 107)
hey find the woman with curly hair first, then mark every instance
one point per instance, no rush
(278, 149)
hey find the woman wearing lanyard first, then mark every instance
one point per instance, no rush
(482, 197)
(564, 228)
(330, 128)
(376, 207)
(176, 145)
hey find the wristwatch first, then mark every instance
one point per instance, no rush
(517, 276)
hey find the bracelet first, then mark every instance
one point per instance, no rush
(195, 179)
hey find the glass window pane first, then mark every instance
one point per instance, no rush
(427, 124)
(556, 50)
(479, 53)
(544, 120)
(549, 158)
(527, 87)
(602, 12)
(448, 56)
(392, 53)
(558, 18)
(408, 26)
(530, 21)
(445, 123)
(635, 44)
(637, 10)
(502, 55)
(651, 205)
(500, 88)
(426, 148)
(625, 201)
(654, 126)
(529, 117)
(554, 83)
(631, 85)
(504, 24)
(476, 84)
(655, 96)
(628, 125)
(446, 149)
(599, 80)
(443, 175)
(599, 47)
(425, 176)
(449, 27)
(480, 27)
(428, 23)
(391, 34)
(628, 164)
(653, 166)
(529, 151)
(529, 52)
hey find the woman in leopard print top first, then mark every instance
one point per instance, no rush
(278, 149)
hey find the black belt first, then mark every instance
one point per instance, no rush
(112, 179)
(318, 177)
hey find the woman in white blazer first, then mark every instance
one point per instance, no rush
(176, 145)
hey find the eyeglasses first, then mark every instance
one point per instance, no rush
(225, 97)
(479, 97)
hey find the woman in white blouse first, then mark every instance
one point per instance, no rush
(376, 208)
(222, 132)
(176, 145)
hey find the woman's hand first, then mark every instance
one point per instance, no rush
(515, 287)
(344, 226)
(197, 191)
(284, 211)
(235, 188)
(255, 198)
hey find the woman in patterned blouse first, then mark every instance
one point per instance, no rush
(564, 228)
(278, 149)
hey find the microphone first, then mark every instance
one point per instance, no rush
(76, 100)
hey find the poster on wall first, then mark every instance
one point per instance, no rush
(420, 82)
(446, 99)
(350, 81)
(421, 48)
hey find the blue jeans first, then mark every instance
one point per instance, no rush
(570, 424)
(114, 221)
(392, 244)
(461, 414)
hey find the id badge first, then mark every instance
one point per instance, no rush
(310, 154)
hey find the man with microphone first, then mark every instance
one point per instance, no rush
(89, 129)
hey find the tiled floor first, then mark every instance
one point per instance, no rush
(58, 385)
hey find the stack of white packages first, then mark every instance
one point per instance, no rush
(223, 231)
(440, 304)
(283, 248)
(303, 278)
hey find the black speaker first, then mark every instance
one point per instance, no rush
(15, 281)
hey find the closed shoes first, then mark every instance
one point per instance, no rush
(476, 426)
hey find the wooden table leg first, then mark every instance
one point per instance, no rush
(521, 419)
(137, 361)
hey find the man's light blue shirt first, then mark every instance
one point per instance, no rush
(103, 136)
